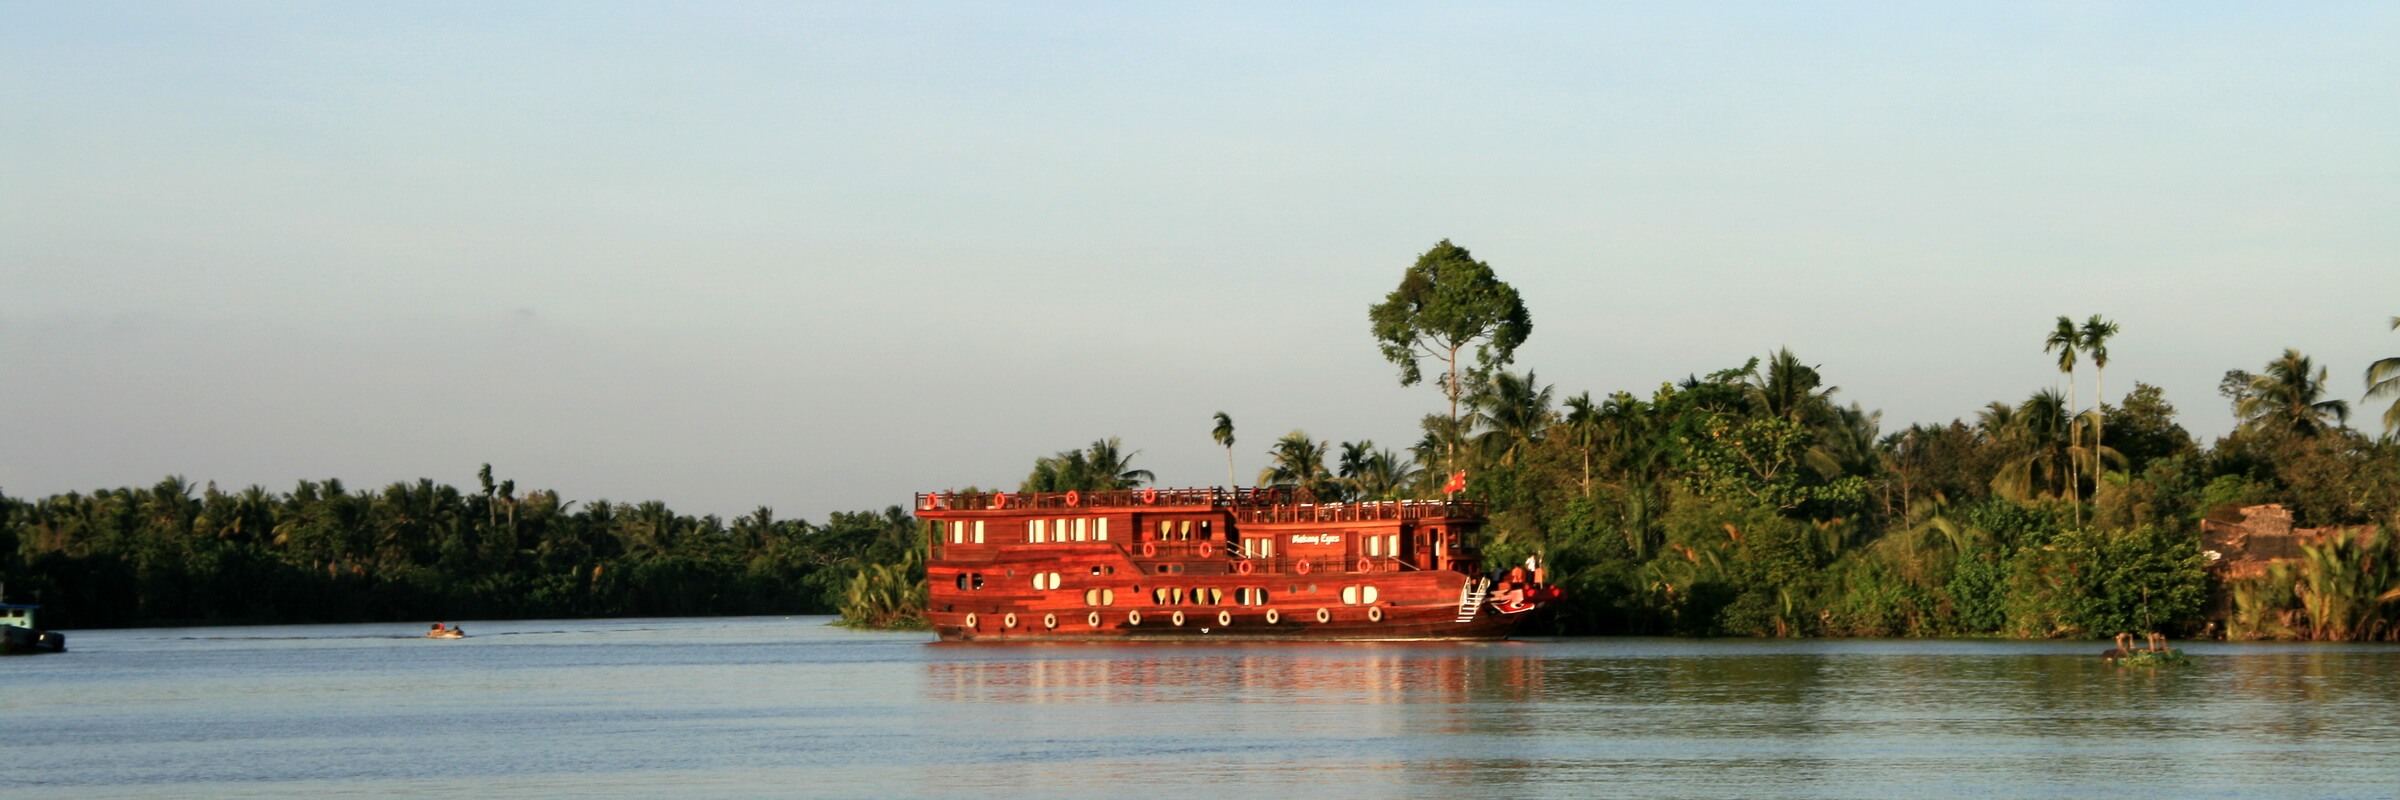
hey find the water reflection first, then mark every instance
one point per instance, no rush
(772, 708)
(1348, 676)
(1574, 718)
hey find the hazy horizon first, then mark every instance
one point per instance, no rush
(818, 258)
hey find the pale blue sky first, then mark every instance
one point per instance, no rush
(817, 258)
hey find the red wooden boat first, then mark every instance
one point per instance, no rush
(1213, 564)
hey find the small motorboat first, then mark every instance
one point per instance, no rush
(441, 632)
(19, 635)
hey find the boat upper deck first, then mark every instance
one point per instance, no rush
(1255, 505)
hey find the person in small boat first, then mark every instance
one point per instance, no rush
(437, 628)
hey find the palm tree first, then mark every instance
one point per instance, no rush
(1383, 474)
(1434, 451)
(2036, 434)
(1351, 465)
(1583, 423)
(1112, 468)
(2064, 339)
(1104, 466)
(1298, 462)
(1514, 409)
(2286, 398)
(1787, 389)
(1224, 436)
(2383, 377)
(2095, 335)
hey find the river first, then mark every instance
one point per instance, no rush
(781, 707)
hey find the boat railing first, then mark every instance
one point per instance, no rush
(1276, 564)
(1266, 504)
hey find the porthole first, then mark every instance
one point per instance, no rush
(1367, 595)
(1349, 595)
(1108, 597)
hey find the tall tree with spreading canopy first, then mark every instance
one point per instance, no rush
(1446, 303)
(2383, 378)
(1224, 436)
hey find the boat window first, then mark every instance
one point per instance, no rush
(1058, 530)
(1108, 597)
(1158, 597)
(1091, 597)
(1100, 529)
(1166, 530)
(1350, 595)
(1374, 545)
(1185, 530)
(979, 531)
(962, 581)
(1079, 528)
(1368, 595)
(1204, 526)
(1162, 569)
(1216, 597)
(976, 582)
(1037, 535)
(1177, 593)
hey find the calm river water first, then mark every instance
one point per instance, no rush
(791, 707)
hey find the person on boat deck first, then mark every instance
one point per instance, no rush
(437, 626)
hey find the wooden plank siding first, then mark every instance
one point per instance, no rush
(1239, 565)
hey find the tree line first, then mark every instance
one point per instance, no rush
(1753, 500)
(322, 552)
(1750, 500)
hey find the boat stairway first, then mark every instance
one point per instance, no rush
(1471, 604)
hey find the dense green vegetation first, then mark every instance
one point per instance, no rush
(1752, 501)
(418, 551)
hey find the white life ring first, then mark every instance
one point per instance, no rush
(1093, 620)
(1324, 615)
(1225, 618)
(1273, 617)
(1133, 617)
(1009, 621)
(1374, 613)
(970, 620)
(1177, 619)
(1050, 621)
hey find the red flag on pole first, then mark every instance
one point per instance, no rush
(1458, 483)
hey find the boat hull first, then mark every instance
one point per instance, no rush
(26, 641)
(1343, 624)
